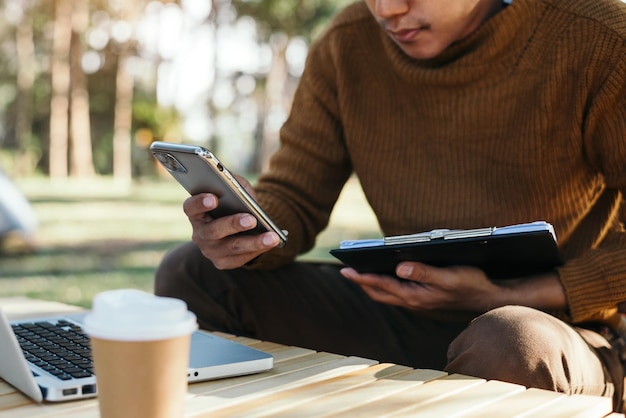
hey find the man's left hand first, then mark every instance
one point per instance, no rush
(423, 287)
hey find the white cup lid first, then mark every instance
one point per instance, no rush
(133, 315)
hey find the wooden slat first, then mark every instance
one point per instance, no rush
(271, 405)
(577, 406)
(274, 348)
(20, 307)
(84, 408)
(460, 403)
(288, 353)
(527, 403)
(415, 395)
(266, 387)
(92, 412)
(359, 397)
(5, 388)
(281, 368)
(12, 400)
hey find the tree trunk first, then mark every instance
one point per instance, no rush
(274, 97)
(128, 11)
(80, 125)
(122, 142)
(26, 158)
(59, 106)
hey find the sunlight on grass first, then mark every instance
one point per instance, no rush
(98, 234)
(75, 289)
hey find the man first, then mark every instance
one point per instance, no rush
(453, 114)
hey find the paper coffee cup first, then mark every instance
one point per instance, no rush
(140, 346)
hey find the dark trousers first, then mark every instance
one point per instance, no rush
(311, 305)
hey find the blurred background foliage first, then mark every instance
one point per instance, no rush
(87, 85)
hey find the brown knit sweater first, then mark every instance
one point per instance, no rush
(523, 120)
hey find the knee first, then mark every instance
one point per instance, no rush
(510, 343)
(499, 328)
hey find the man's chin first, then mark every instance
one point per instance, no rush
(422, 50)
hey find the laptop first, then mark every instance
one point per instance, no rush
(49, 358)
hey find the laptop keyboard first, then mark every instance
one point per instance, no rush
(61, 348)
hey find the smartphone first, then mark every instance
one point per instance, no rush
(199, 171)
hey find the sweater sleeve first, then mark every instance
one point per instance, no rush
(595, 282)
(307, 173)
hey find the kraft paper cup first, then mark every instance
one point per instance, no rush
(140, 346)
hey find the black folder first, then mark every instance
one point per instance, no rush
(507, 252)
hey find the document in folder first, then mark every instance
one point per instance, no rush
(506, 252)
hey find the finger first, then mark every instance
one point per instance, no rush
(246, 185)
(236, 251)
(246, 244)
(384, 283)
(380, 295)
(417, 272)
(218, 228)
(197, 206)
(216, 246)
(234, 261)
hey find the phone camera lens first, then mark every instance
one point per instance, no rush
(170, 162)
(220, 167)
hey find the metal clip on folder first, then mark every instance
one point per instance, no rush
(451, 234)
(444, 234)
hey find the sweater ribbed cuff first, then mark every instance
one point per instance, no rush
(587, 282)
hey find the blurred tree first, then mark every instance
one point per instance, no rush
(69, 108)
(122, 124)
(81, 162)
(25, 49)
(74, 72)
(60, 79)
(280, 21)
(126, 13)
(305, 18)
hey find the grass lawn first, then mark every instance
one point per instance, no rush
(96, 235)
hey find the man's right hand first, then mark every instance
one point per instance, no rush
(217, 237)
